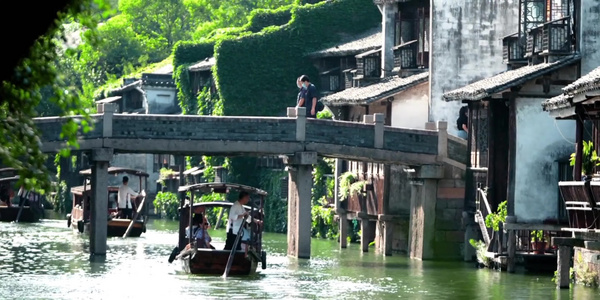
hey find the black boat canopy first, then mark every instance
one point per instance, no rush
(221, 187)
(117, 171)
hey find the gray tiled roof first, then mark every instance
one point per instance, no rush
(590, 81)
(354, 45)
(384, 88)
(203, 65)
(558, 102)
(498, 83)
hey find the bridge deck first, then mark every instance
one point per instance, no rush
(229, 136)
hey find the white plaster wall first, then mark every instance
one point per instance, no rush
(539, 145)
(590, 35)
(466, 47)
(161, 100)
(410, 108)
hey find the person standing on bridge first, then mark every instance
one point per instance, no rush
(310, 96)
(124, 199)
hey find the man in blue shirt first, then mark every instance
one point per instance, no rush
(310, 97)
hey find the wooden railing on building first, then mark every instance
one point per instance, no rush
(551, 38)
(513, 50)
(556, 38)
(405, 55)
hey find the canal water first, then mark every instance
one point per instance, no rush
(48, 261)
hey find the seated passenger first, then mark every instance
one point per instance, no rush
(199, 232)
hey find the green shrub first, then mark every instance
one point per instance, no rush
(261, 18)
(323, 222)
(275, 56)
(167, 204)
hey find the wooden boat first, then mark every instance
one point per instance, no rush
(19, 206)
(212, 261)
(79, 218)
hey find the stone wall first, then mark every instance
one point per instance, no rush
(590, 35)
(586, 266)
(466, 47)
(449, 232)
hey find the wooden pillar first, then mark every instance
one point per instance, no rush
(343, 221)
(498, 141)
(563, 267)
(99, 205)
(364, 231)
(512, 154)
(512, 245)
(578, 146)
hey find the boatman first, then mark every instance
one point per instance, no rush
(124, 200)
(236, 215)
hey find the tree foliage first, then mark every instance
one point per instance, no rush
(19, 141)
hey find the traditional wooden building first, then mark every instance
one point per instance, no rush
(383, 71)
(580, 102)
(517, 152)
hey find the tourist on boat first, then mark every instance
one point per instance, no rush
(124, 199)
(462, 122)
(199, 232)
(4, 196)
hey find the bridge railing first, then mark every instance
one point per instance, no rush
(183, 134)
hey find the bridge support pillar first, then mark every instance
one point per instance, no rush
(299, 202)
(99, 204)
(423, 210)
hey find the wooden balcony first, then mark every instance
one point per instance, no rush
(556, 38)
(513, 51)
(582, 202)
(552, 38)
(407, 56)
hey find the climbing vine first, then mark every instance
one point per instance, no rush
(275, 205)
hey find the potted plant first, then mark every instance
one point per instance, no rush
(589, 160)
(538, 241)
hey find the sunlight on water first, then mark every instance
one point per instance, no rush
(49, 261)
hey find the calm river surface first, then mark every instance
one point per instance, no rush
(49, 261)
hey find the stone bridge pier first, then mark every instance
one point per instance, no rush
(299, 166)
(99, 214)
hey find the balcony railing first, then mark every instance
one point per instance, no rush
(405, 55)
(534, 41)
(550, 38)
(556, 38)
(513, 50)
(582, 202)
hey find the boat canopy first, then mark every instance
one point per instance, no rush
(221, 187)
(9, 179)
(117, 171)
(222, 203)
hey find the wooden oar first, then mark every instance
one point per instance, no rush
(233, 249)
(135, 214)
(21, 204)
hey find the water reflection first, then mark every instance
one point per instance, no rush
(48, 261)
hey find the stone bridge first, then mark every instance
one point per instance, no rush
(229, 136)
(295, 137)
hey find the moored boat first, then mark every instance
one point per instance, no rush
(16, 203)
(79, 218)
(197, 260)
